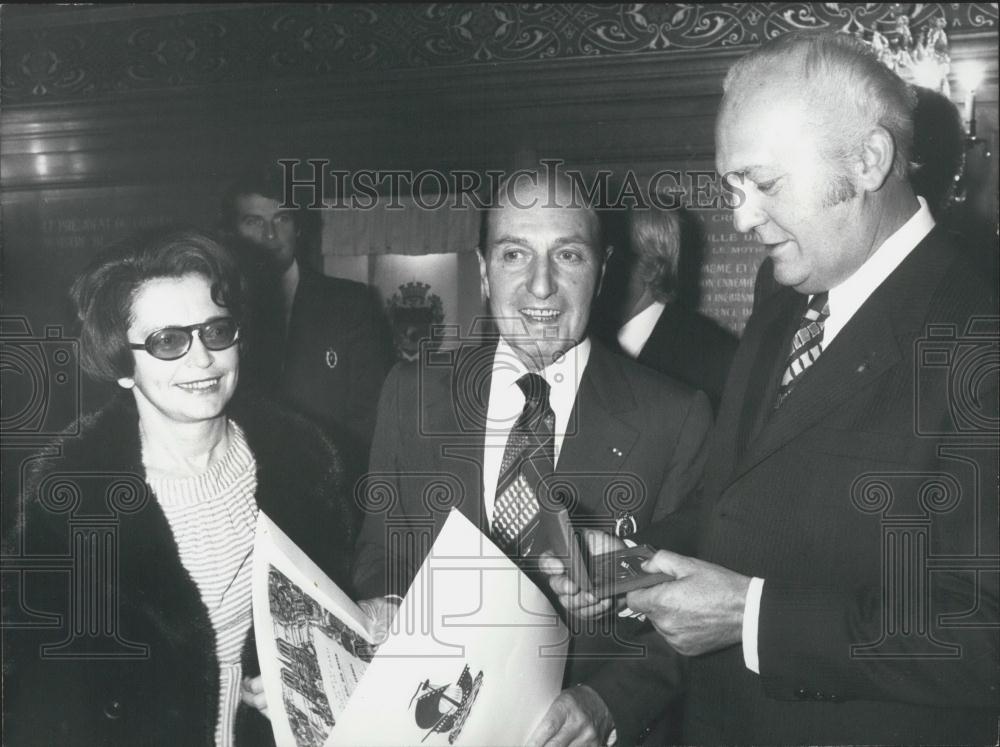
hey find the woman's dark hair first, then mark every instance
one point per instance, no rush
(104, 292)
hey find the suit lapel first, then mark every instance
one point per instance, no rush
(745, 391)
(598, 438)
(457, 408)
(864, 350)
(776, 334)
(660, 338)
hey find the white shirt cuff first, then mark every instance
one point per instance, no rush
(751, 618)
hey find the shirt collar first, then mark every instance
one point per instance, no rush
(563, 376)
(848, 297)
(636, 331)
(290, 280)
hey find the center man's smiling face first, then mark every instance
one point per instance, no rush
(541, 271)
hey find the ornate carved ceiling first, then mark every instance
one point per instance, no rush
(70, 53)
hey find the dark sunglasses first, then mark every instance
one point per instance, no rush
(171, 343)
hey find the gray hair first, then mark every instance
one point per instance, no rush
(840, 79)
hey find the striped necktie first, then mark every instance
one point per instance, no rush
(806, 345)
(515, 512)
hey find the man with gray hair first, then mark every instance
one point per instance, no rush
(845, 584)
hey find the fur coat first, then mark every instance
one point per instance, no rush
(143, 670)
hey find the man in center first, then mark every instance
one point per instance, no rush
(626, 441)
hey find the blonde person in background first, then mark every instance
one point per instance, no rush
(652, 292)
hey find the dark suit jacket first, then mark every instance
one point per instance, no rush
(868, 503)
(690, 348)
(335, 355)
(634, 444)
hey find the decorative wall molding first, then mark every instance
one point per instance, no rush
(156, 96)
(69, 53)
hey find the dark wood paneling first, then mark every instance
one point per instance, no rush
(112, 147)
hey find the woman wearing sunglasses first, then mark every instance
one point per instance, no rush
(163, 319)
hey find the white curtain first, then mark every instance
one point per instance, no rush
(410, 229)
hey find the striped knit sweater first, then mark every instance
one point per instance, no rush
(212, 517)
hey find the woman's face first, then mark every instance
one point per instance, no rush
(195, 387)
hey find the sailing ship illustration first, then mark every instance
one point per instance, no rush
(444, 708)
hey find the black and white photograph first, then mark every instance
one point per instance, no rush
(723, 277)
(299, 624)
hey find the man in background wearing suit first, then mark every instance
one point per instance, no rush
(659, 329)
(626, 441)
(317, 343)
(846, 584)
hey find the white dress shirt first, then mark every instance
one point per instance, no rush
(507, 401)
(289, 285)
(634, 334)
(844, 301)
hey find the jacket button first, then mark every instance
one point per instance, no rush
(113, 709)
(817, 695)
(801, 693)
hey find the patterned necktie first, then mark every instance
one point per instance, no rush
(806, 345)
(515, 512)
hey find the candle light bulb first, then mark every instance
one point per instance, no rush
(970, 75)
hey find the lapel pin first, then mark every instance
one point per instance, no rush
(331, 358)
(625, 525)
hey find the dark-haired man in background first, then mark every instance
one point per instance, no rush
(318, 343)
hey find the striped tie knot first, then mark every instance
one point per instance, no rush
(806, 345)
